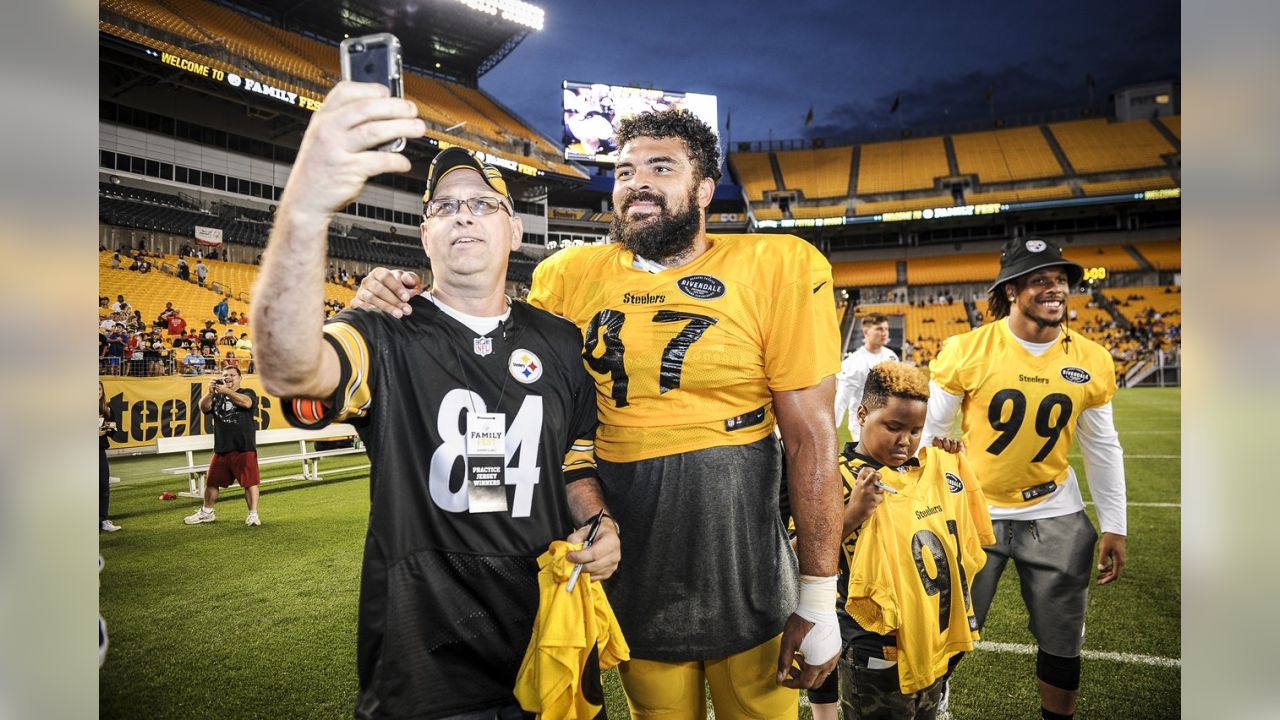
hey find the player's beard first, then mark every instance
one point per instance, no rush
(670, 235)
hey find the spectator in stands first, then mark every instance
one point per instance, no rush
(106, 428)
(154, 354)
(228, 339)
(235, 446)
(193, 362)
(208, 338)
(136, 323)
(221, 310)
(202, 272)
(244, 319)
(184, 270)
(231, 360)
(115, 261)
(143, 266)
(176, 324)
(120, 305)
(244, 344)
(114, 351)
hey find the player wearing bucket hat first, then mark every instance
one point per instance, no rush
(1025, 396)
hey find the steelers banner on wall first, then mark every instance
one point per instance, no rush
(149, 408)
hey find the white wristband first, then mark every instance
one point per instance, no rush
(818, 605)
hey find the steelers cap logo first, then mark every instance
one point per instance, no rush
(1036, 245)
(524, 366)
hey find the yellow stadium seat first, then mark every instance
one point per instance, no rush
(1163, 255)
(768, 213)
(1121, 187)
(1113, 257)
(864, 273)
(817, 173)
(876, 208)
(1100, 146)
(1015, 196)
(818, 211)
(756, 174)
(1006, 155)
(901, 165)
(938, 270)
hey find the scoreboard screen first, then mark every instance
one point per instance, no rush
(593, 110)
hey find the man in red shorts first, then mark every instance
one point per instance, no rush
(235, 449)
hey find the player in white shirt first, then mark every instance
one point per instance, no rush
(853, 371)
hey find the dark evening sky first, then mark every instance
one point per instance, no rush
(769, 61)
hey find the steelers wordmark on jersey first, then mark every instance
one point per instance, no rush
(687, 358)
(913, 562)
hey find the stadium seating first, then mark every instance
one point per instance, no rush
(314, 65)
(924, 326)
(943, 269)
(768, 213)
(818, 211)
(1006, 155)
(755, 173)
(817, 174)
(1121, 187)
(865, 273)
(1097, 145)
(901, 165)
(876, 208)
(149, 292)
(1113, 257)
(1162, 255)
(1174, 124)
(1016, 196)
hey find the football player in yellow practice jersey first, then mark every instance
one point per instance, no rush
(1028, 385)
(699, 345)
(914, 526)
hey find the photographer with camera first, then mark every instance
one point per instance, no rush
(235, 449)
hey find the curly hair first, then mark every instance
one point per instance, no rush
(894, 379)
(698, 137)
(998, 302)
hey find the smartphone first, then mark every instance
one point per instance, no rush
(375, 59)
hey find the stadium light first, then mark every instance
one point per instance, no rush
(516, 11)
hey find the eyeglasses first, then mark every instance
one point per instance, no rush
(483, 205)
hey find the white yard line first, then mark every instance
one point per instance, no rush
(1150, 432)
(1152, 505)
(1078, 456)
(1087, 654)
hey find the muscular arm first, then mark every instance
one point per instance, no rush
(813, 483)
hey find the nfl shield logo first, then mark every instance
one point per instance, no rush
(483, 346)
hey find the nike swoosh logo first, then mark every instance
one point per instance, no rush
(818, 287)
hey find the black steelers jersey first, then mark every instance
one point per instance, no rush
(448, 597)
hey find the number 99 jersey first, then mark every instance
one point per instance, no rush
(1020, 410)
(687, 358)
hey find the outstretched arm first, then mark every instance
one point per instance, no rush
(334, 162)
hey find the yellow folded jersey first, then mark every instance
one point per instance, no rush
(575, 637)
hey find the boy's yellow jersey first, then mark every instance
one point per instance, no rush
(913, 562)
(687, 358)
(1020, 411)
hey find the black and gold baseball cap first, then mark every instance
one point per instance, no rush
(1020, 256)
(456, 158)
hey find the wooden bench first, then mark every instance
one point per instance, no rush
(197, 474)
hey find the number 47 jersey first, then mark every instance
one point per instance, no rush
(1020, 410)
(688, 358)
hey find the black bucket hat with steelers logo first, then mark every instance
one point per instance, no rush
(1020, 256)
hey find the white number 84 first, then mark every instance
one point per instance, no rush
(523, 436)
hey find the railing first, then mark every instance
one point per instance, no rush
(169, 365)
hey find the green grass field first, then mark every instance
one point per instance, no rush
(226, 621)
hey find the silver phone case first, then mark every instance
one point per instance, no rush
(394, 70)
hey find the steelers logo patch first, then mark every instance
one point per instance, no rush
(1036, 245)
(953, 482)
(525, 366)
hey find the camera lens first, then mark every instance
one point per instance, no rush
(369, 67)
(357, 47)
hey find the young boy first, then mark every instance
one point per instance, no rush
(914, 529)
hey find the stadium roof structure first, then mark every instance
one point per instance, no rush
(439, 37)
